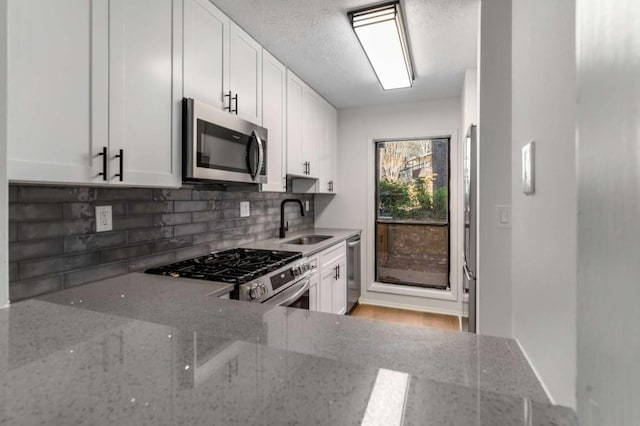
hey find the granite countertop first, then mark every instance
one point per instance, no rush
(144, 349)
(337, 236)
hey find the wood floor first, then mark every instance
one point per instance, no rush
(402, 316)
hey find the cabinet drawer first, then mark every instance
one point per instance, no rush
(332, 254)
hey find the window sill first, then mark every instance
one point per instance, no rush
(411, 291)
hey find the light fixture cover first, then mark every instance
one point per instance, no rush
(380, 30)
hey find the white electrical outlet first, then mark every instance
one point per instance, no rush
(104, 221)
(306, 205)
(244, 209)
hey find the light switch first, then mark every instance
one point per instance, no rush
(244, 209)
(503, 216)
(104, 221)
(306, 205)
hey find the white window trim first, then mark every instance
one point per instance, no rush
(455, 268)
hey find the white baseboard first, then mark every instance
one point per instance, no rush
(409, 307)
(533, 367)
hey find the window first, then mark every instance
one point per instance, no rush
(412, 217)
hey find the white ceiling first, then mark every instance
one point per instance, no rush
(315, 40)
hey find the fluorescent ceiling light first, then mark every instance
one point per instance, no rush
(382, 35)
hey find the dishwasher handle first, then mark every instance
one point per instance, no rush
(353, 243)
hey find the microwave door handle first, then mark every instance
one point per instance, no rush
(260, 154)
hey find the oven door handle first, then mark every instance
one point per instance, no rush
(284, 300)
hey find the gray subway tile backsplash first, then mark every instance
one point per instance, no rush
(43, 230)
(20, 290)
(30, 212)
(35, 249)
(84, 276)
(45, 194)
(53, 243)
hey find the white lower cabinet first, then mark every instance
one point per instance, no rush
(314, 292)
(332, 294)
(339, 293)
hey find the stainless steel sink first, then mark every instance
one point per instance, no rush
(309, 239)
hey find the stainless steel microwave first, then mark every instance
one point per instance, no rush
(219, 146)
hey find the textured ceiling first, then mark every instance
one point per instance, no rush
(315, 40)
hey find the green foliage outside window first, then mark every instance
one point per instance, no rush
(400, 200)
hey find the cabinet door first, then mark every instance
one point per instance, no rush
(145, 90)
(310, 130)
(333, 143)
(295, 89)
(53, 46)
(327, 280)
(314, 293)
(327, 148)
(339, 292)
(274, 93)
(245, 74)
(206, 53)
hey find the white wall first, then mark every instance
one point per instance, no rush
(353, 206)
(469, 99)
(4, 221)
(609, 205)
(543, 245)
(494, 171)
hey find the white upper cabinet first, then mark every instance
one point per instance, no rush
(274, 110)
(95, 90)
(310, 130)
(296, 164)
(302, 128)
(245, 74)
(206, 55)
(50, 92)
(222, 63)
(327, 148)
(145, 73)
(92, 77)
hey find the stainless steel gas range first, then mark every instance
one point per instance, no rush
(261, 276)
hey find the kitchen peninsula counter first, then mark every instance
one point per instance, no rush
(141, 349)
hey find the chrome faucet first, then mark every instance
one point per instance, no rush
(283, 227)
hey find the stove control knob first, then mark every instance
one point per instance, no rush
(297, 271)
(253, 291)
(256, 291)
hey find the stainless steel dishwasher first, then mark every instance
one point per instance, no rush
(353, 271)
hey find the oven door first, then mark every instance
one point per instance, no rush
(222, 147)
(296, 296)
